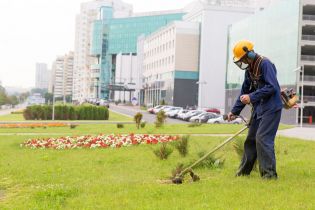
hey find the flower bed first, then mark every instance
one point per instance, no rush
(100, 141)
(32, 125)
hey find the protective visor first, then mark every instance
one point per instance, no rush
(241, 64)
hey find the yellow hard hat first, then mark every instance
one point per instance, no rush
(241, 48)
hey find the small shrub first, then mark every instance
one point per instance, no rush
(143, 124)
(194, 124)
(163, 152)
(210, 162)
(137, 118)
(119, 125)
(160, 119)
(182, 145)
(73, 126)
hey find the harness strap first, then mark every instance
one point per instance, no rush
(256, 70)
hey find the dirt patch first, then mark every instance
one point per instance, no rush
(2, 194)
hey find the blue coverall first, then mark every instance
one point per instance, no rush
(266, 100)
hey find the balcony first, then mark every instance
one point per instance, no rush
(309, 78)
(309, 17)
(309, 98)
(308, 37)
(308, 57)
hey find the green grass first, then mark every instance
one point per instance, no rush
(127, 178)
(131, 128)
(113, 116)
(12, 117)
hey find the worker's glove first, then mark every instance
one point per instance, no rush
(289, 98)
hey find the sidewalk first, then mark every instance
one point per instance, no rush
(300, 133)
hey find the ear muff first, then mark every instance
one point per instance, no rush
(250, 54)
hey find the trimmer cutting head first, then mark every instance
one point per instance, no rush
(178, 179)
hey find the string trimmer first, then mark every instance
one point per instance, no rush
(180, 176)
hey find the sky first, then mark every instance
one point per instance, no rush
(39, 30)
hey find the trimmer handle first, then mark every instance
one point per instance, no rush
(225, 117)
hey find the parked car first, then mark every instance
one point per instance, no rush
(190, 114)
(220, 120)
(157, 109)
(104, 102)
(151, 110)
(213, 110)
(203, 117)
(173, 112)
(181, 114)
(163, 108)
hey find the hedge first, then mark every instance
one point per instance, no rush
(66, 112)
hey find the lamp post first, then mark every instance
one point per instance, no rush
(53, 105)
(300, 69)
(200, 83)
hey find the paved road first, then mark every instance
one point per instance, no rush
(131, 111)
(301, 133)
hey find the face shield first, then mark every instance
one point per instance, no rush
(241, 64)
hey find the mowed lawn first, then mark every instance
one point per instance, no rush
(128, 178)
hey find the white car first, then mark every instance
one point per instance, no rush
(181, 113)
(164, 108)
(220, 120)
(172, 112)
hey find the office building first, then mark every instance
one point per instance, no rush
(284, 33)
(170, 65)
(113, 36)
(83, 87)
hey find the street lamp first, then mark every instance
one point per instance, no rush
(53, 105)
(300, 69)
(200, 83)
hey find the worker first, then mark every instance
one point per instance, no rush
(260, 89)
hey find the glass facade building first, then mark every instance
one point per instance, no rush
(112, 36)
(275, 33)
(285, 33)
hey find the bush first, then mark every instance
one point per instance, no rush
(160, 119)
(66, 112)
(143, 124)
(73, 126)
(210, 162)
(137, 118)
(163, 152)
(119, 125)
(182, 145)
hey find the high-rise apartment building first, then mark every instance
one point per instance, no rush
(83, 33)
(42, 76)
(63, 76)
